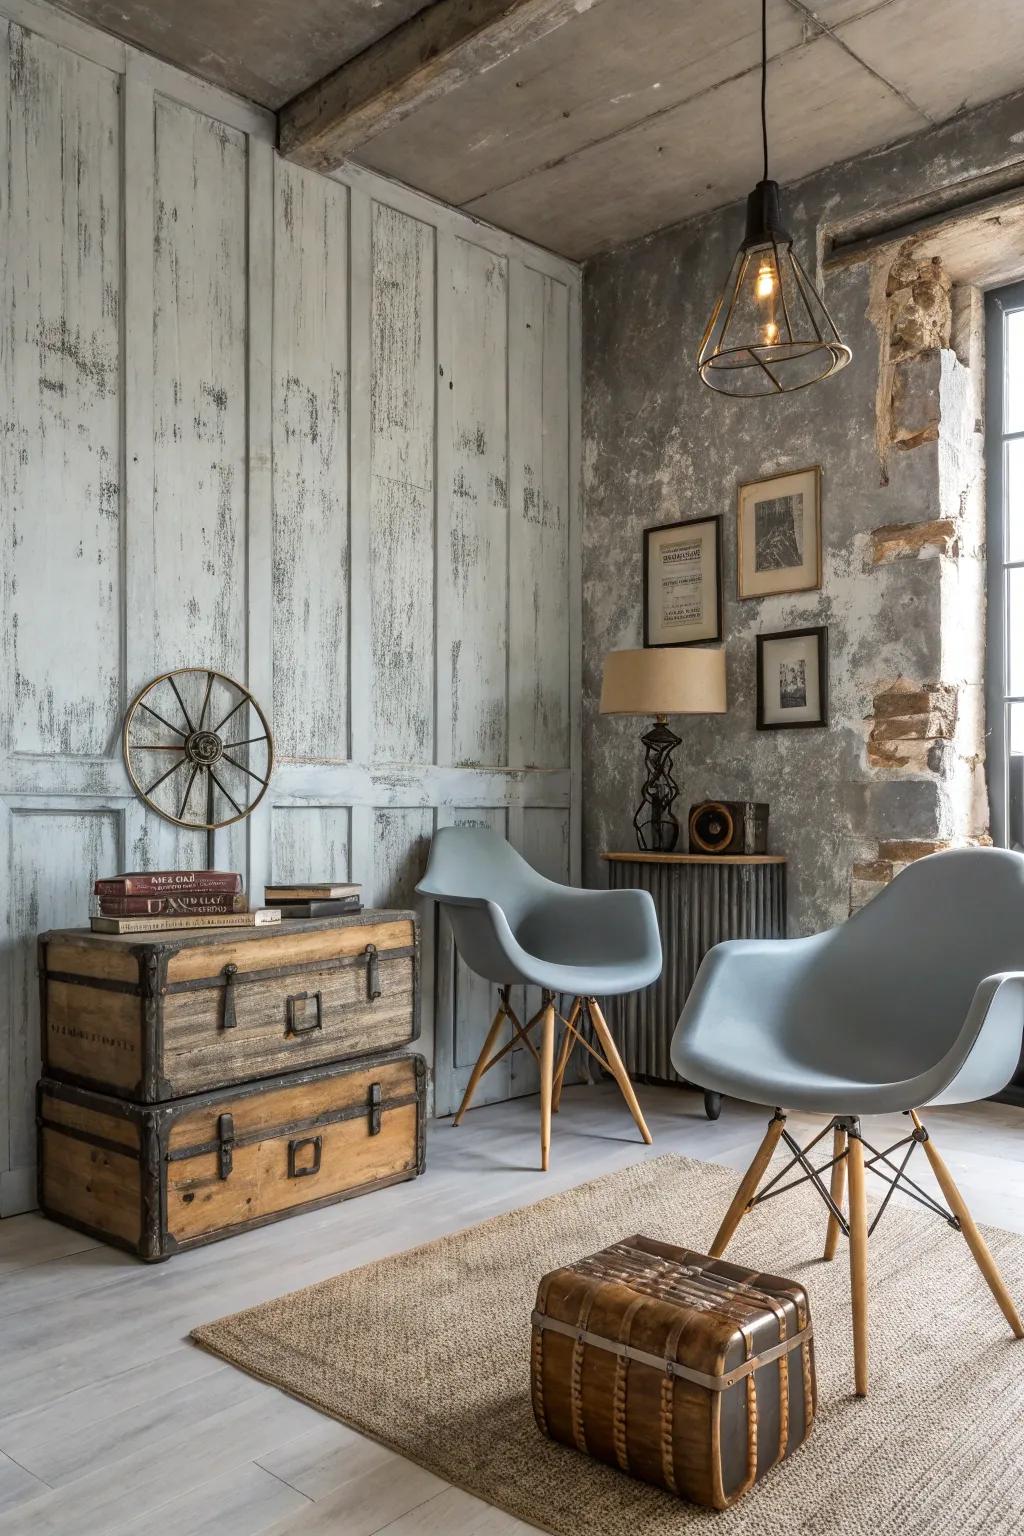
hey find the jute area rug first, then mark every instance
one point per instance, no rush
(428, 1352)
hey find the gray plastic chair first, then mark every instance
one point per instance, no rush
(514, 927)
(918, 999)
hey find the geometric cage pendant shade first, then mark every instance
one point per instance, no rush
(770, 331)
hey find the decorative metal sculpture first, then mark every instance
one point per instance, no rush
(657, 829)
(197, 745)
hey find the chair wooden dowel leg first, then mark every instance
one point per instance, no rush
(568, 1041)
(547, 1063)
(977, 1244)
(748, 1186)
(858, 1262)
(837, 1190)
(617, 1067)
(483, 1061)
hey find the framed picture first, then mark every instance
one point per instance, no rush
(792, 679)
(778, 536)
(683, 583)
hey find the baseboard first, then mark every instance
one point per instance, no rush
(18, 1191)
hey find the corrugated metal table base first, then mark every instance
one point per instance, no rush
(701, 901)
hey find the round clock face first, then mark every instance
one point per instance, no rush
(711, 828)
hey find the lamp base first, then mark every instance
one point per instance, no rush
(657, 830)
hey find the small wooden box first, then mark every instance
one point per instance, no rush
(685, 1371)
(151, 1017)
(159, 1178)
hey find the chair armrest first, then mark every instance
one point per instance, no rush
(985, 1054)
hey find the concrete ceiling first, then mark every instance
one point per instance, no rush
(264, 49)
(630, 115)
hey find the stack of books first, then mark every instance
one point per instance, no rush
(158, 900)
(327, 899)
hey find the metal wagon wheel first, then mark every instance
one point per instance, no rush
(198, 748)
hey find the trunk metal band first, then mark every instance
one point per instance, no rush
(366, 1109)
(268, 973)
(673, 1367)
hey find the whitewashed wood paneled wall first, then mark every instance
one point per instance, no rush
(318, 433)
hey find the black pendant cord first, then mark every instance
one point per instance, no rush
(764, 84)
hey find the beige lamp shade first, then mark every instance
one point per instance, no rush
(681, 680)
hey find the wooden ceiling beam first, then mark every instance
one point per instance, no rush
(426, 57)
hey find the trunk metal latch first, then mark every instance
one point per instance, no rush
(226, 1150)
(228, 1020)
(373, 986)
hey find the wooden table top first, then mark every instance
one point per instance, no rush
(694, 858)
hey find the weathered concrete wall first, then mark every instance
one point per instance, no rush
(899, 771)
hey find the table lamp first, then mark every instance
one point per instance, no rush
(662, 681)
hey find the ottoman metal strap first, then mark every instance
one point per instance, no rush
(673, 1367)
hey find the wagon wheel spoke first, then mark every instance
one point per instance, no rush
(206, 699)
(168, 724)
(234, 761)
(157, 782)
(246, 743)
(149, 746)
(188, 791)
(181, 703)
(220, 726)
(227, 795)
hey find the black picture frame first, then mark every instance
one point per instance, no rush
(820, 631)
(716, 520)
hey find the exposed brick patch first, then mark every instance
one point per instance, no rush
(909, 725)
(915, 541)
(906, 755)
(920, 307)
(869, 876)
(879, 871)
(908, 850)
(903, 698)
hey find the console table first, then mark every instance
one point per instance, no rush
(701, 900)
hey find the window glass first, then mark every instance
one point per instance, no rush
(1013, 451)
(1013, 407)
(1015, 631)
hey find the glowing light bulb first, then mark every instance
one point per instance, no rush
(765, 281)
(771, 333)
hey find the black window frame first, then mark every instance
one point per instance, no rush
(1006, 832)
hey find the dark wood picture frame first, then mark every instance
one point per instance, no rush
(648, 534)
(821, 632)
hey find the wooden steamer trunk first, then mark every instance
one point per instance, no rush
(688, 1372)
(150, 1017)
(159, 1178)
(200, 1082)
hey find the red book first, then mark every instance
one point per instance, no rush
(171, 882)
(181, 904)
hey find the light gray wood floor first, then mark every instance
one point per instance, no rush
(111, 1423)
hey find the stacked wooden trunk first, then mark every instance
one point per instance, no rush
(201, 1083)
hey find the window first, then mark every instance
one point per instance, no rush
(1005, 459)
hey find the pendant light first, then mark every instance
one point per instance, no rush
(770, 332)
